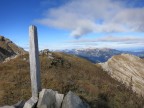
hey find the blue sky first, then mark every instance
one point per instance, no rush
(67, 24)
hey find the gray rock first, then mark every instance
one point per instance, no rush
(71, 100)
(20, 104)
(46, 99)
(50, 57)
(49, 99)
(44, 52)
(31, 103)
(59, 99)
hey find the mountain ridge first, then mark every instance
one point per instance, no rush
(8, 48)
(127, 69)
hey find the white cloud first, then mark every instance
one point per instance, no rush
(82, 17)
(115, 42)
(116, 39)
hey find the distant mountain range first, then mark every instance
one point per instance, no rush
(128, 69)
(98, 55)
(8, 48)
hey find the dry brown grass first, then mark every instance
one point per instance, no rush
(78, 75)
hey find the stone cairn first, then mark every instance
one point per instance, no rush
(44, 98)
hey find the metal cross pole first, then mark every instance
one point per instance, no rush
(34, 62)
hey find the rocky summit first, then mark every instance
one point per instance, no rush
(128, 69)
(8, 48)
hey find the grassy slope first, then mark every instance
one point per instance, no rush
(68, 73)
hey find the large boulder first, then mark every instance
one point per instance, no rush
(49, 99)
(71, 100)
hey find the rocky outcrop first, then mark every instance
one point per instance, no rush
(44, 52)
(47, 53)
(8, 48)
(128, 69)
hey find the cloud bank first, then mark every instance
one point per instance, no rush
(81, 17)
(115, 42)
(116, 39)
